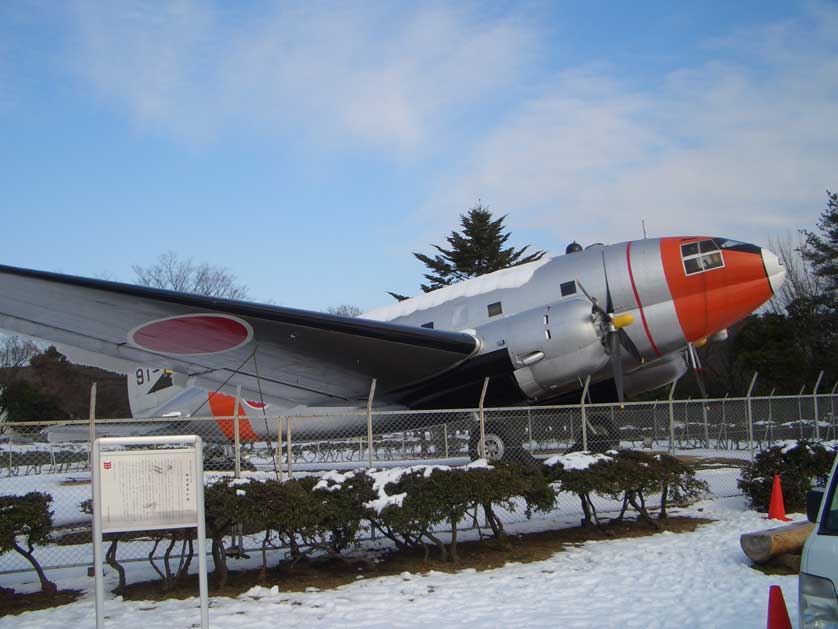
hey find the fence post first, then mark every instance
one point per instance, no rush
(279, 446)
(770, 432)
(288, 445)
(800, 409)
(585, 414)
(723, 431)
(706, 422)
(236, 437)
(529, 430)
(445, 434)
(672, 416)
(832, 406)
(369, 423)
(751, 415)
(655, 422)
(481, 447)
(92, 429)
(815, 404)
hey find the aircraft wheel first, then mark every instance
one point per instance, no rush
(500, 443)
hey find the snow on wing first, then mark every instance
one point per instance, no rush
(302, 357)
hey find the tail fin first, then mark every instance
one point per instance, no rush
(149, 388)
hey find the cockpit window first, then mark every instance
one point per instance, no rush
(735, 245)
(701, 256)
(689, 250)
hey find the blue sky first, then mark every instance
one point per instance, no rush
(311, 147)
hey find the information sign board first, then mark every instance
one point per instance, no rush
(157, 487)
(148, 489)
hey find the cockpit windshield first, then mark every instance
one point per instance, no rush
(702, 255)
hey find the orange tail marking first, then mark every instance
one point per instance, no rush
(224, 406)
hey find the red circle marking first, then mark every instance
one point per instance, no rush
(256, 405)
(192, 334)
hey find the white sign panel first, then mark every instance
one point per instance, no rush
(148, 489)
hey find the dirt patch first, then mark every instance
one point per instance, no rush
(704, 462)
(486, 555)
(782, 565)
(13, 603)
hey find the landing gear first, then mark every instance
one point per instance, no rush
(502, 443)
(602, 435)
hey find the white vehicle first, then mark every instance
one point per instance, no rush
(819, 563)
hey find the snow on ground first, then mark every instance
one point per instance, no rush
(699, 579)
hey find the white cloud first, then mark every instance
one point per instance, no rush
(743, 145)
(389, 79)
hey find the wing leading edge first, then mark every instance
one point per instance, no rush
(297, 356)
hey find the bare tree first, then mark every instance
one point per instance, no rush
(183, 275)
(345, 310)
(801, 281)
(16, 351)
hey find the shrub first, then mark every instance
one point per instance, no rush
(223, 509)
(799, 465)
(28, 517)
(336, 508)
(630, 476)
(321, 514)
(417, 500)
(583, 474)
(678, 482)
(640, 474)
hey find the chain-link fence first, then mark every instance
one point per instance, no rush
(717, 436)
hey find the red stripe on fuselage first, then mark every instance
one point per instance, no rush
(637, 299)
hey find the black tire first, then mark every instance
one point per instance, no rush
(501, 444)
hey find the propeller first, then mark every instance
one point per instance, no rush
(616, 338)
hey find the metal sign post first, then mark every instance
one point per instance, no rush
(148, 489)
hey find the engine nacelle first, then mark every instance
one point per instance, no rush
(549, 345)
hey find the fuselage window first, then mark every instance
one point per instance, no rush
(701, 256)
(495, 309)
(429, 325)
(568, 288)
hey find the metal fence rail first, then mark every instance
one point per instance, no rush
(718, 435)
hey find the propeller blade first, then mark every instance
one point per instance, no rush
(597, 307)
(609, 305)
(628, 344)
(616, 364)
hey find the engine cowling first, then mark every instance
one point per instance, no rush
(549, 346)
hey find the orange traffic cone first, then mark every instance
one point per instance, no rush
(778, 614)
(776, 509)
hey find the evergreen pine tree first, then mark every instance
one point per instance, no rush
(822, 251)
(477, 250)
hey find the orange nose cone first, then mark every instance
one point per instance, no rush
(715, 282)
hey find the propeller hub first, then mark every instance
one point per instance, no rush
(621, 321)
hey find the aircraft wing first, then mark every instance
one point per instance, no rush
(299, 356)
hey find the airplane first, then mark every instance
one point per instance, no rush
(625, 314)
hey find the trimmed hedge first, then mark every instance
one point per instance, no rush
(800, 465)
(324, 516)
(630, 476)
(427, 497)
